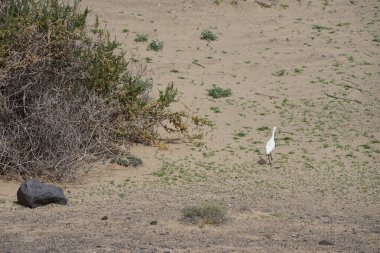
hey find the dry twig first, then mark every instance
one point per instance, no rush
(345, 99)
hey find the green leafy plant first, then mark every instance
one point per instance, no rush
(156, 45)
(281, 72)
(376, 39)
(141, 37)
(208, 35)
(217, 92)
(215, 109)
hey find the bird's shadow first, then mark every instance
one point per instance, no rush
(262, 161)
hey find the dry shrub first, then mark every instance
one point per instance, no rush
(206, 213)
(66, 92)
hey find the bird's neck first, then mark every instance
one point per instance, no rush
(274, 130)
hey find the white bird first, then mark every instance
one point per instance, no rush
(270, 147)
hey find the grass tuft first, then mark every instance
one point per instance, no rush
(217, 92)
(208, 213)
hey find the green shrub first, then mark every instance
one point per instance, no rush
(217, 92)
(156, 45)
(66, 92)
(208, 213)
(208, 35)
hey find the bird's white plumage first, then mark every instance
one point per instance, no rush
(270, 146)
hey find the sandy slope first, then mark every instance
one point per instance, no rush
(324, 184)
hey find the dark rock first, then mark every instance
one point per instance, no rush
(127, 161)
(105, 217)
(153, 222)
(325, 243)
(32, 193)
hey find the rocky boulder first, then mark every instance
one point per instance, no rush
(32, 193)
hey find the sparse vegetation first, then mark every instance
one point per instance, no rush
(141, 37)
(207, 213)
(215, 109)
(327, 152)
(217, 92)
(281, 72)
(376, 39)
(284, 6)
(264, 128)
(319, 28)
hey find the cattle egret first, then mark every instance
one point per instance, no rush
(270, 147)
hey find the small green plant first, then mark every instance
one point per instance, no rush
(208, 35)
(141, 37)
(366, 146)
(215, 109)
(217, 92)
(261, 129)
(284, 6)
(281, 72)
(156, 45)
(125, 30)
(239, 135)
(208, 213)
(320, 27)
(376, 38)
(351, 59)
(343, 24)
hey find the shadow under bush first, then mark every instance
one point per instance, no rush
(66, 93)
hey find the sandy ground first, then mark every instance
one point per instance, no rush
(310, 68)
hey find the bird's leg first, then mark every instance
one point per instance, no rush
(271, 158)
(269, 162)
